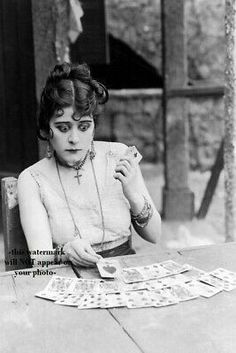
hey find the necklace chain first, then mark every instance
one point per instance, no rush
(78, 166)
(100, 204)
(76, 229)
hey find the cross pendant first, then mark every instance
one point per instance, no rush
(77, 176)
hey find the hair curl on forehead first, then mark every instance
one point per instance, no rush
(69, 85)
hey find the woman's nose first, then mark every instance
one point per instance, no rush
(74, 136)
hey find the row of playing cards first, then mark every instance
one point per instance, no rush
(155, 285)
(112, 269)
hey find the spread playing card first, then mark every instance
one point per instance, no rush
(113, 300)
(155, 284)
(110, 287)
(194, 273)
(226, 275)
(132, 274)
(160, 298)
(50, 295)
(109, 268)
(58, 283)
(166, 282)
(56, 288)
(174, 267)
(144, 273)
(129, 287)
(217, 282)
(139, 299)
(182, 292)
(80, 285)
(154, 271)
(90, 301)
(70, 299)
(205, 290)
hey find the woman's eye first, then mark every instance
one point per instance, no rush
(63, 128)
(84, 127)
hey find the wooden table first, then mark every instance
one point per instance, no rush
(30, 324)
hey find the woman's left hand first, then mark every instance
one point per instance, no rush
(126, 173)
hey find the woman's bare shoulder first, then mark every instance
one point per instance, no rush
(41, 166)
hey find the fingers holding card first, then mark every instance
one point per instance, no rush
(133, 154)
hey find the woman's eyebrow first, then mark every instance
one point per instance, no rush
(61, 122)
(85, 121)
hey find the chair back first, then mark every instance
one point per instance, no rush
(15, 246)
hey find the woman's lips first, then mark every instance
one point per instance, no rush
(73, 150)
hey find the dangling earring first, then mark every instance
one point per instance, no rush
(49, 152)
(92, 152)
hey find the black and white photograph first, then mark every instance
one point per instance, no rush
(118, 176)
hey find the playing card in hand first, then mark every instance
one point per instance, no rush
(134, 154)
(109, 268)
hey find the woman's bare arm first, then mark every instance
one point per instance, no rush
(34, 219)
(152, 231)
(134, 188)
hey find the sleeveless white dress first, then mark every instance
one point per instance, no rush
(86, 210)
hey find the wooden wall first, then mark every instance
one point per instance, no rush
(18, 141)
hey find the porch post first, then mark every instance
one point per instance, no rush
(50, 31)
(230, 121)
(178, 200)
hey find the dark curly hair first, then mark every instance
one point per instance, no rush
(69, 85)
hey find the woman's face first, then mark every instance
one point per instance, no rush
(71, 139)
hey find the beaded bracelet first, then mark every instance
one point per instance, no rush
(144, 216)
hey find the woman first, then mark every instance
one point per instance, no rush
(83, 196)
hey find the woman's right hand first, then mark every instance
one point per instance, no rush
(81, 253)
